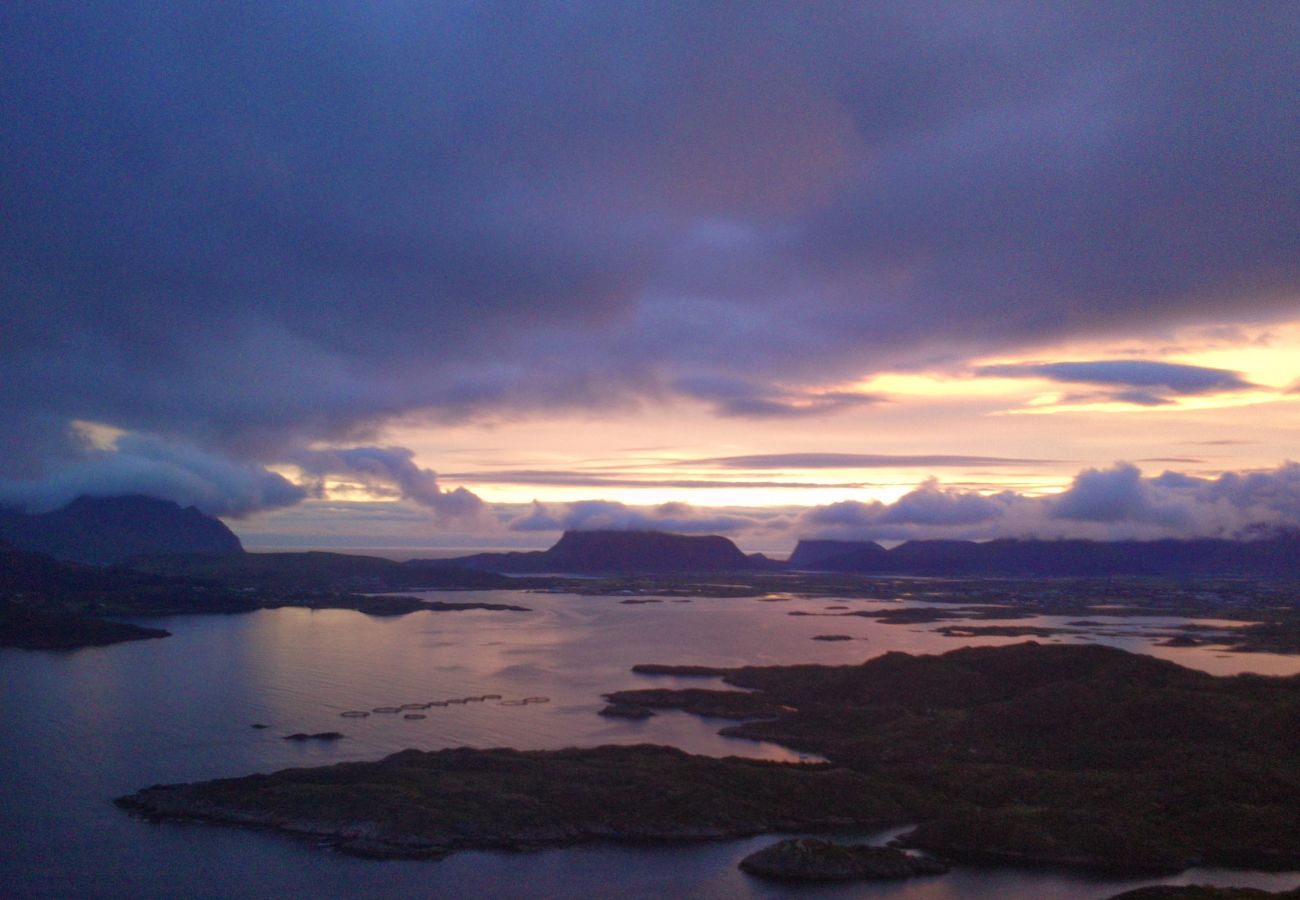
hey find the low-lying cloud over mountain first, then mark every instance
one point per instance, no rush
(607, 515)
(1112, 503)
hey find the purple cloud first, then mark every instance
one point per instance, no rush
(391, 468)
(289, 226)
(1140, 382)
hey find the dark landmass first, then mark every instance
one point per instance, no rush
(624, 552)
(427, 804)
(921, 615)
(1202, 892)
(53, 604)
(837, 556)
(643, 552)
(323, 571)
(1274, 556)
(686, 671)
(713, 704)
(318, 736)
(966, 631)
(1068, 755)
(809, 859)
(626, 711)
(113, 530)
(387, 605)
(35, 630)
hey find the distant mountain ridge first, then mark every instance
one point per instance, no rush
(1275, 556)
(114, 530)
(631, 552)
(597, 552)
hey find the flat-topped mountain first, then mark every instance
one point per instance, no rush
(623, 552)
(1275, 556)
(111, 530)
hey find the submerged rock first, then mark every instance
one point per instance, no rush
(809, 859)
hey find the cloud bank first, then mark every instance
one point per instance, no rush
(1104, 504)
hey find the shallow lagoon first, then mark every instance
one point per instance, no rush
(79, 728)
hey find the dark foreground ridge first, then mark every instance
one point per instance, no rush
(1082, 756)
(427, 804)
(1074, 755)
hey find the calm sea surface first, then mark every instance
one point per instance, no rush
(79, 728)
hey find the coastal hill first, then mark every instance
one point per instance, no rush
(113, 530)
(593, 552)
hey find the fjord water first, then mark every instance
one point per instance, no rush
(79, 728)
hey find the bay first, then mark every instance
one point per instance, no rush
(79, 728)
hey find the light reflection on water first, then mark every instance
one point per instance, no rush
(79, 728)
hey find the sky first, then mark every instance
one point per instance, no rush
(464, 275)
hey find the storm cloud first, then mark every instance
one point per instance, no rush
(251, 228)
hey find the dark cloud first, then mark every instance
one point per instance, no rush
(734, 398)
(1143, 382)
(390, 468)
(857, 461)
(1118, 502)
(929, 506)
(266, 225)
(1118, 494)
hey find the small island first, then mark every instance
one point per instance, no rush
(809, 859)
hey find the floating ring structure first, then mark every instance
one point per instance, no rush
(537, 700)
(413, 706)
(415, 716)
(386, 709)
(354, 714)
